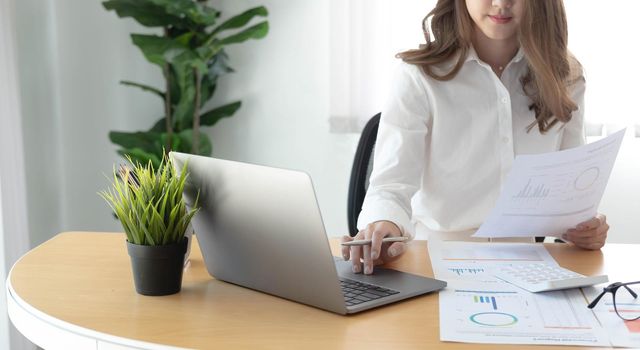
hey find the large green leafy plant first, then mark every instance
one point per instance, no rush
(192, 57)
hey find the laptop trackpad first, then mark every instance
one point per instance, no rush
(391, 279)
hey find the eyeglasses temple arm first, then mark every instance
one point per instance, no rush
(596, 300)
(630, 291)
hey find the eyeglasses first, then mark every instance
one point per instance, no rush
(624, 309)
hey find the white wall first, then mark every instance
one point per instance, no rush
(41, 119)
(14, 233)
(284, 82)
(70, 65)
(4, 319)
(621, 199)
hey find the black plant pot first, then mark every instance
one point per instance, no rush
(157, 270)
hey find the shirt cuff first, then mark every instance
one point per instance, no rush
(383, 210)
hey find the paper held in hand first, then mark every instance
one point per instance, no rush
(546, 194)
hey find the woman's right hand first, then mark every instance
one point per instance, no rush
(377, 253)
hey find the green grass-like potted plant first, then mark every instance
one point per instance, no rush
(149, 204)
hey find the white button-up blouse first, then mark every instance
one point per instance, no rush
(444, 148)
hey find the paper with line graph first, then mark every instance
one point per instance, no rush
(475, 261)
(546, 194)
(494, 312)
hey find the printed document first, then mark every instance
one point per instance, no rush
(477, 307)
(499, 313)
(475, 261)
(546, 194)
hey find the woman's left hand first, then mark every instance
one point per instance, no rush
(590, 234)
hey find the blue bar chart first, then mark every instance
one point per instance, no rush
(486, 300)
(486, 309)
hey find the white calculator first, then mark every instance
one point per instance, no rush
(541, 277)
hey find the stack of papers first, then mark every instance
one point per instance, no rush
(477, 307)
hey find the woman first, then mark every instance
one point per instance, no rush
(496, 81)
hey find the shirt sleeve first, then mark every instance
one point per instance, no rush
(573, 134)
(399, 154)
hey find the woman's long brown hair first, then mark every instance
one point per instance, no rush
(552, 70)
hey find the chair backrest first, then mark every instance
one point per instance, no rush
(360, 172)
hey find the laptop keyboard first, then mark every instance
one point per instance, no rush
(358, 292)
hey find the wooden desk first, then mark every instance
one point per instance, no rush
(76, 292)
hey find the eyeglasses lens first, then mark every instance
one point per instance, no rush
(627, 301)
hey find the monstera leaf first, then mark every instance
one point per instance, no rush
(184, 14)
(213, 44)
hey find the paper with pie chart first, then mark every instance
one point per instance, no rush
(498, 313)
(546, 194)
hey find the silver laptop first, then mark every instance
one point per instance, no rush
(260, 227)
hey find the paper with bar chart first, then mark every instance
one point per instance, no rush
(475, 261)
(495, 312)
(621, 333)
(546, 194)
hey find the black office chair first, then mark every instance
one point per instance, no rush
(360, 172)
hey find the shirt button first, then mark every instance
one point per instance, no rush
(504, 100)
(505, 140)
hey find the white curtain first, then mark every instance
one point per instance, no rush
(365, 36)
(14, 236)
(608, 51)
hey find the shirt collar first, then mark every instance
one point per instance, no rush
(472, 55)
(519, 55)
